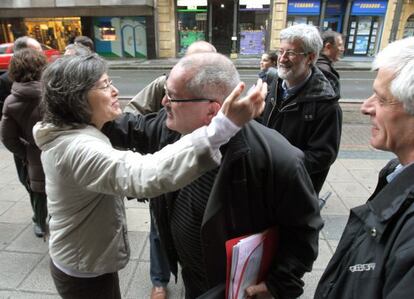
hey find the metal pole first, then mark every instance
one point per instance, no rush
(234, 40)
(396, 21)
(210, 22)
(346, 19)
(322, 14)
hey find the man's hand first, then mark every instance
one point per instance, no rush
(258, 291)
(241, 111)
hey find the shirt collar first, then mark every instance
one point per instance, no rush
(291, 91)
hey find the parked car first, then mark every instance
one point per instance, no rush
(6, 53)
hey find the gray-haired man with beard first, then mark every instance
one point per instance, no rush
(301, 103)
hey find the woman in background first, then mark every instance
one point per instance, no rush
(268, 67)
(20, 114)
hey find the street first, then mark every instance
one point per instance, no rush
(355, 85)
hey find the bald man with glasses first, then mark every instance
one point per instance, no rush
(260, 184)
(301, 103)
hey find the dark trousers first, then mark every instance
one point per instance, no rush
(38, 200)
(159, 266)
(102, 287)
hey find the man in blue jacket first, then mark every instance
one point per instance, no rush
(375, 256)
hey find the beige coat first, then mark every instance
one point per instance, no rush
(87, 179)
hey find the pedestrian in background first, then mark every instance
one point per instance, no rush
(332, 51)
(301, 103)
(375, 256)
(87, 179)
(20, 43)
(77, 49)
(20, 113)
(85, 41)
(268, 67)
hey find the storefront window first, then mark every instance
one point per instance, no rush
(303, 12)
(192, 23)
(54, 32)
(253, 26)
(107, 33)
(333, 16)
(409, 27)
(365, 27)
(120, 36)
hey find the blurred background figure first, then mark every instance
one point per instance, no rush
(268, 67)
(85, 41)
(332, 51)
(20, 113)
(77, 49)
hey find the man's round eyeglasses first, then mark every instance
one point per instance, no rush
(172, 100)
(289, 53)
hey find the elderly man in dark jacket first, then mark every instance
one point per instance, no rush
(375, 256)
(261, 183)
(301, 104)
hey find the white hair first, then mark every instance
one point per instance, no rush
(308, 35)
(399, 58)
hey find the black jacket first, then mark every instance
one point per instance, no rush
(5, 89)
(311, 120)
(20, 113)
(375, 256)
(326, 66)
(262, 182)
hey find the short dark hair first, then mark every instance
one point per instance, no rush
(273, 57)
(84, 41)
(329, 36)
(27, 65)
(66, 83)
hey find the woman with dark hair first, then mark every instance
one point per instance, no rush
(268, 67)
(20, 114)
(87, 179)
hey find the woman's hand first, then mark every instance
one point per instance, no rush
(241, 111)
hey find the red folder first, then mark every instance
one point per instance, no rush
(268, 240)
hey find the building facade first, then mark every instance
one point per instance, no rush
(165, 28)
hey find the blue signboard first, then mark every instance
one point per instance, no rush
(334, 7)
(303, 7)
(369, 8)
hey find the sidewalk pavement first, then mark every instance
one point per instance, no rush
(24, 258)
(346, 63)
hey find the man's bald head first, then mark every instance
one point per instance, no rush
(200, 47)
(27, 42)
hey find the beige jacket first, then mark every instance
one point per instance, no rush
(87, 179)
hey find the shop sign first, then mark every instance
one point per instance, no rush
(192, 3)
(303, 7)
(334, 7)
(254, 3)
(371, 8)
